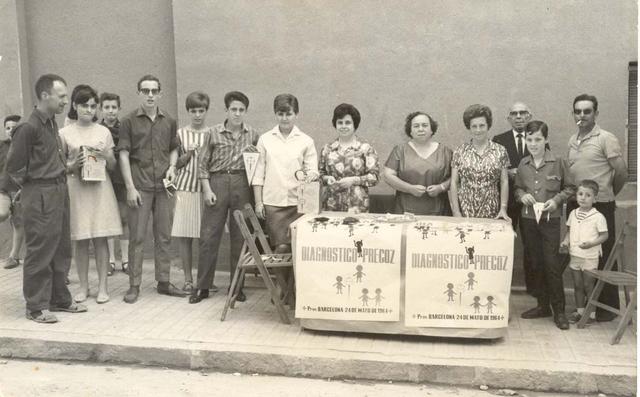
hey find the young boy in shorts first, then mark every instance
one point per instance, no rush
(9, 196)
(587, 230)
(109, 108)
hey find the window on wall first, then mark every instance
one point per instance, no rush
(632, 128)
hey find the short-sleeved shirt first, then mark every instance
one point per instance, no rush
(417, 170)
(479, 178)
(583, 227)
(6, 183)
(279, 159)
(221, 152)
(551, 181)
(589, 159)
(149, 144)
(36, 151)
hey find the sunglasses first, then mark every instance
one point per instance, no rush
(147, 91)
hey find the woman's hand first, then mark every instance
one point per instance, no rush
(434, 190)
(417, 190)
(503, 214)
(586, 245)
(329, 180)
(528, 199)
(260, 213)
(347, 182)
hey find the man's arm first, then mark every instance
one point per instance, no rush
(620, 176)
(18, 156)
(133, 196)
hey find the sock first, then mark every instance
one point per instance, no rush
(592, 315)
(124, 250)
(580, 310)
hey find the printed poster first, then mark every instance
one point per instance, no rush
(458, 274)
(347, 271)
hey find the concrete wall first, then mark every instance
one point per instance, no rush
(10, 76)
(108, 44)
(392, 58)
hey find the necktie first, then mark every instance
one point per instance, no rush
(519, 139)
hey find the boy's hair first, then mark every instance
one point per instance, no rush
(45, 83)
(14, 117)
(197, 99)
(235, 96)
(285, 102)
(590, 184)
(107, 96)
(149, 77)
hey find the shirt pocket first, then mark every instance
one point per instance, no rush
(553, 183)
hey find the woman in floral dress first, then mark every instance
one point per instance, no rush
(348, 166)
(479, 179)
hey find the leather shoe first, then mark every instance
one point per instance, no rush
(605, 317)
(241, 297)
(166, 288)
(561, 321)
(536, 312)
(199, 295)
(132, 294)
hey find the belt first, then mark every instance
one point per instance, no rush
(49, 181)
(229, 172)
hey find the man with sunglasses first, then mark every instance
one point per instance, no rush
(514, 142)
(148, 150)
(596, 154)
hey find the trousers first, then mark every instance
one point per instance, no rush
(48, 245)
(158, 204)
(232, 193)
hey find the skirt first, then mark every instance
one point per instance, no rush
(278, 221)
(187, 215)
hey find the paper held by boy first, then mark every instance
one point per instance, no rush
(94, 168)
(537, 210)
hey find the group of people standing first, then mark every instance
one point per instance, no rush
(147, 155)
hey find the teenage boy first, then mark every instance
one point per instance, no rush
(10, 200)
(148, 153)
(36, 162)
(110, 107)
(224, 188)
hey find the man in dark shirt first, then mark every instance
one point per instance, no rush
(37, 163)
(148, 152)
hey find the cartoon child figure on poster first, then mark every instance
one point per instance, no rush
(462, 235)
(450, 293)
(358, 244)
(365, 297)
(476, 304)
(490, 304)
(487, 234)
(339, 285)
(359, 273)
(470, 281)
(378, 298)
(470, 251)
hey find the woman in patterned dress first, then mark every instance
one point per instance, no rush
(188, 209)
(348, 166)
(420, 170)
(479, 179)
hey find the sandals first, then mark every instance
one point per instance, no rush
(188, 286)
(72, 308)
(81, 296)
(112, 268)
(125, 267)
(102, 298)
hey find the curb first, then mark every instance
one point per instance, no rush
(325, 364)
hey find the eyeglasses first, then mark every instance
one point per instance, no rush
(519, 113)
(147, 91)
(586, 112)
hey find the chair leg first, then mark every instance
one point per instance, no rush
(275, 295)
(230, 294)
(238, 286)
(624, 322)
(590, 307)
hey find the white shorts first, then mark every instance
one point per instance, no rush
(578, 263)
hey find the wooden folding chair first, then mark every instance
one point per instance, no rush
(261, 258)
(622, 278)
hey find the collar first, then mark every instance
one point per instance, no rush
(595, 131)
(141, 112)
(42, 116)
(335, 145)
(515, 134)
(224, 127)
(116, 125)
(491, 146)
(589, 213)
(548, 157)
(294, 132)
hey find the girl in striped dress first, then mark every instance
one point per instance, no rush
(188, 209)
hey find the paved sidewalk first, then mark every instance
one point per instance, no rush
(161, 330)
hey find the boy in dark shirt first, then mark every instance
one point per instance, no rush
(9, 191)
